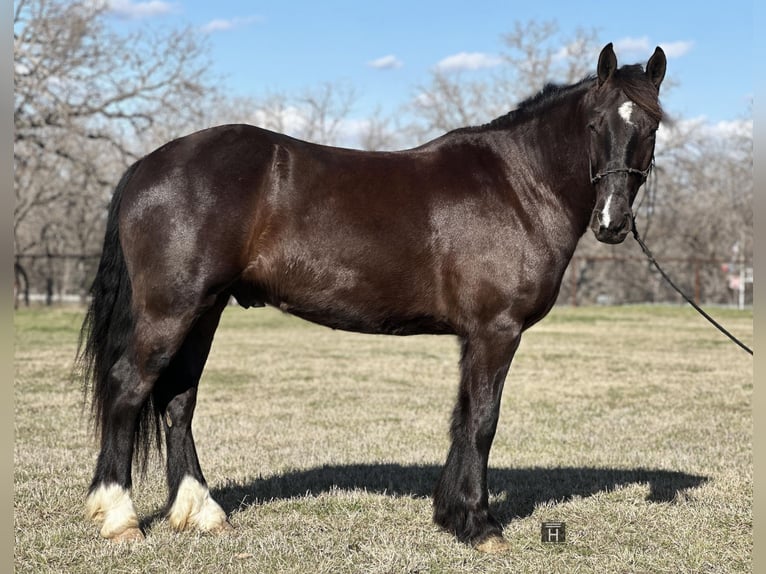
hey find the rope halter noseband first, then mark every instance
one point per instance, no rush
(643, 173)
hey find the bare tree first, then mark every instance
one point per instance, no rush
(322, 114)
(324, 110)
(705, 206)
(536, 53)
(699, 210)
(378, 132)
(89, 101)
(86, 101)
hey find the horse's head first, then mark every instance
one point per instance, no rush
(624, 117)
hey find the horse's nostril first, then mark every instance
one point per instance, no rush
(616, 225)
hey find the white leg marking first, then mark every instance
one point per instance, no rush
(605, 218)
(195, 508)
(112, 506)
(626, 112)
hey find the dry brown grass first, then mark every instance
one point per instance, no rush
(633, 425)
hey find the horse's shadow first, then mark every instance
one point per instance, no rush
(520, 489)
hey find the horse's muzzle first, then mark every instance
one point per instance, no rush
(612, 231)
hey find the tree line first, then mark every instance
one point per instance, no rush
(89, 101)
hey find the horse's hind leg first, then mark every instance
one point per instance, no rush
(189, 502)
(126, 416)
(109, 501)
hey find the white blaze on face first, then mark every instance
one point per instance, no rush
(626, 112)
(605, 218)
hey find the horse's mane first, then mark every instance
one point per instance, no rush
(550, 94)
(631, 79)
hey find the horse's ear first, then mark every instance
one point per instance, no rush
(655, 67)
(607, 63)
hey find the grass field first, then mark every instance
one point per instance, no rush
(633, 425)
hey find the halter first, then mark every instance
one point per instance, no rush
(643, 173)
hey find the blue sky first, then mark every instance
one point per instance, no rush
(385, 49)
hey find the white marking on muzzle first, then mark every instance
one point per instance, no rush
(605, 217)
(626, 112)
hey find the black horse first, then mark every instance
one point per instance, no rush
(467, 235)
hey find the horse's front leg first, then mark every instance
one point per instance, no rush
(461, 498)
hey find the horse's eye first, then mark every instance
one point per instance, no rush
(592, 128)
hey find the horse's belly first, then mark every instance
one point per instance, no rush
(366, 322)
(364, 299)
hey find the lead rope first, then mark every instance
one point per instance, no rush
(648, 253)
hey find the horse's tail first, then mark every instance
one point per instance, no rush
(106, 332)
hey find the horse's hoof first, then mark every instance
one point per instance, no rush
(223, 528)
(128, 535)
(494, 544)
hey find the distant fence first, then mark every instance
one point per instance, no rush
(616, 280)
(53, 277)
(589, 280)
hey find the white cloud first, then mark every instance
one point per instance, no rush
(701, 129)
(218, 25)
(676, 49)
(138, 10)
(468, 61)
(222, 24)
(386, 63)
(631, 48)
(738, 128)
(424, 99)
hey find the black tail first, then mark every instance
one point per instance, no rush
(106, 332)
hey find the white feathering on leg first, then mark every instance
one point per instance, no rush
(195, 508)
(112, 506)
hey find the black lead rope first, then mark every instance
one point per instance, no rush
(648, 253)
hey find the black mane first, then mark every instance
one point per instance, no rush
(550, 94)
(631, 79)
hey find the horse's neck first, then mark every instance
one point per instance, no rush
(558, 156)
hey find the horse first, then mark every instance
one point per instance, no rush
(466, 235)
